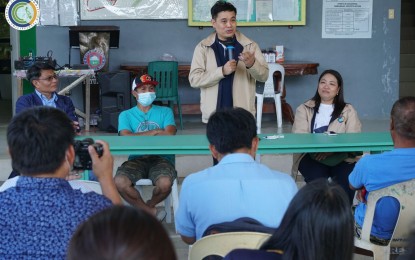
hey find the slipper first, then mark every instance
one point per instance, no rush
(161, 214)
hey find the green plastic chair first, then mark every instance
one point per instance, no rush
(167, 74)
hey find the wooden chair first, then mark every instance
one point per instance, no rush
(404, 192)
(173, 198)
(222, 243)
(271, 92)
(167, 74)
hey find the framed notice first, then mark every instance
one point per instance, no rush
(347, 19)
(133, 9)
(252, 12)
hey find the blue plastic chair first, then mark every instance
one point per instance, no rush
(167, 74)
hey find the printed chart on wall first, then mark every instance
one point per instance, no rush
(133, 9)
(252, 10)
(347, 19)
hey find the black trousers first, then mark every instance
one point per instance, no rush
(312, 170)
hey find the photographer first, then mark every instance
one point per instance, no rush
(40, 214)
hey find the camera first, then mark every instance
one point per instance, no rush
(83, 160)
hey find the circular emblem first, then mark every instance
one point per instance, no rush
(22, 14)
(95, 59)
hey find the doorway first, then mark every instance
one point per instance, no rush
(407, 56)
(5, 68)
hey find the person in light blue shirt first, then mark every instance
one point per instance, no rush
(374, 172)
(146, 119)
(237, 186)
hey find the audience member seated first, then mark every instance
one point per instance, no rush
(39, 215)
(72, 180)
(374, 172)
(236, 187)
(146, 119)
(121, 232)
(318, 224)
(327, 112)
(45, 82)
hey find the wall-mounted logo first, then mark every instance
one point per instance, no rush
(95, 59)
(22, 14)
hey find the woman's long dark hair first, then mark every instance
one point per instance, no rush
(121, 232)
(338, 101)
(318, 224)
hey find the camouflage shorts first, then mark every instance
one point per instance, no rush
(147, 167)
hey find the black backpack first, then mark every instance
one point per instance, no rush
(240, 224)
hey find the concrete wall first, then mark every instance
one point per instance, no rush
(370, 67)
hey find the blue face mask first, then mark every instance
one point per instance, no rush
(146, 99)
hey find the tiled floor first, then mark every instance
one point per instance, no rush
(192, 125)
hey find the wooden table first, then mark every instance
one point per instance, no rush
(291, 143)
(292, 68)
(83, 75)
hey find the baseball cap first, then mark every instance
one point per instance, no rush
(143, 80)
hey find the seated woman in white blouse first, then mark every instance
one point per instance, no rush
(327, 112)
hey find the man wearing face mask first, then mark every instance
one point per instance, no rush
(146, 119)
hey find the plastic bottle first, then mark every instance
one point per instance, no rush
(271, 56)
(266, 57)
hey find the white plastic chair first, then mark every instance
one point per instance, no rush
(404, 192)
(270, 92)
(173, 197)
(222, 243)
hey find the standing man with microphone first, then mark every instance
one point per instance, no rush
(226, 65)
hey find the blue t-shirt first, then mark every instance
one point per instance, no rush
(39, 215)
(236, 187)
(378, 171)
(136, 121)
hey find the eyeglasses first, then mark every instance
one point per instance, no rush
(50, 78)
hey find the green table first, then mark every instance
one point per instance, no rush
(291, 143)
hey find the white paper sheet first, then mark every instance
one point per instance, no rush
(347, 19)
(49, 14)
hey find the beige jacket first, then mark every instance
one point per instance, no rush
(302, 124)
(205, 74)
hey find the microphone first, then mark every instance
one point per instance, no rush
(230, 51)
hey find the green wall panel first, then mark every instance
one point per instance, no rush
(27, 44)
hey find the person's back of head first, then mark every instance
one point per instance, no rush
(38, 139)
(403, 117)
(221, 6)
(318, 224)
(121, 232)
(35, 71)
(231, 129)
